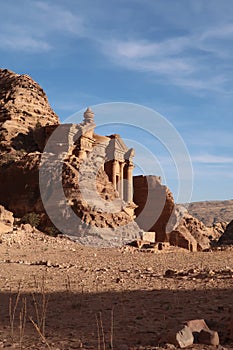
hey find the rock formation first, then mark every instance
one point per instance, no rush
(6, 220)
(227, 237)
(184, 227)
(82, 175)
(157, 212)
(74, 162)
(23, 107)
(155, 205)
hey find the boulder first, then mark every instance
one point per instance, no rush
(182, 238)
(179, 335)
(208, 337)
(202, 333)
(227, 237)
(187, 226)
(6, 220)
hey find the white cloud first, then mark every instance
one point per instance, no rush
(58, 18)
(222, 32)
(212, 159)
(196, 61)
(23, 42)
(39, 28)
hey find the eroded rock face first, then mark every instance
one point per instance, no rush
(184, 225)
(172, 223)
(6, 220)
(155, 205)
(227, 237)
(26, 123)
(23, 107)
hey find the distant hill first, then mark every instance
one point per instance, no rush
(210, 212)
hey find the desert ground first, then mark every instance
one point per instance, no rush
(57, 294)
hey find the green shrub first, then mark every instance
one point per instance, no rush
(31, 218)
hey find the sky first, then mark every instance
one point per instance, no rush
(171, 56)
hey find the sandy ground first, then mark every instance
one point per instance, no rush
(107, 298)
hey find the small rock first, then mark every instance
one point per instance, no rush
(48, 263)
(149, 269)
(170, 273)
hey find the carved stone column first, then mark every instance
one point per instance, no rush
(121, 187)
(130, 183)
(114, 164)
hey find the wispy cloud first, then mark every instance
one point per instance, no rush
(212, 159)
(195, 61)
(17, 40)
(38, 28)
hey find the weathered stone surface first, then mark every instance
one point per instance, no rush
(208, 337)
(227, 237)
(72, 165)
(23, 107)
(6, 220)
(197, 325)
(181, 237)
(180, 336)
(155, 205)
(181, 221)
(204, 335)
(149, 236)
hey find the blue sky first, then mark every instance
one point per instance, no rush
(174, 56)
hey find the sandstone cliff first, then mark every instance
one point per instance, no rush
(155, 205)
(173, 223)
(23, 107)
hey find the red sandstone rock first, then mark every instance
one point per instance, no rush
(179, 335)
(155, 205)
(181, 237)
(23, 107)
(183, 228)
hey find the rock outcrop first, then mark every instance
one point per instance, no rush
(6, 220)
(227, 237)
(23, 108)
(94, 207)
(171, 223)
(76, 183)
(186, 229)
(155, 205)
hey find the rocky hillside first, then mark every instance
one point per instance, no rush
(26, 122)
(211, 212)
(23, 107)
